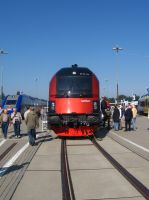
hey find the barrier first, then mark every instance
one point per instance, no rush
(43, 126)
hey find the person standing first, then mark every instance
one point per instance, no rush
(5, 120)
(108, 113)
(103, 109)
(16, 120)
(128, 117)
(1, 110)
(120, 120)
(42, 113)
(26, 112)
(32, 122)
(134, 113)
(116, 118)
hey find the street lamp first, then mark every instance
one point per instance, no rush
(104, 91)
(2, 52)
(107, 89)
(117, 49)
(36, 86)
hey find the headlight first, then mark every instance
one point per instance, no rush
(95, 106)
(51, 106)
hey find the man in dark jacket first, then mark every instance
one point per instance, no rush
(108, 115)
(116, 118)
(128, 117)
(103, 109)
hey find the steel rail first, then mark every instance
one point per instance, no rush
(7, 151)
(67, 187)
(134, 181)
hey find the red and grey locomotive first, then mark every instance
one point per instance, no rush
(74, 108)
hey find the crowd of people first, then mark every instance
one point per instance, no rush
(115, 116)
(31, 117)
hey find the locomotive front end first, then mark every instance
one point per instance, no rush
(73, 100)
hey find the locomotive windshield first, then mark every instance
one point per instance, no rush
(11, 102)
(74, 86)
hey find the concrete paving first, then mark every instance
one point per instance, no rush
(113, 147)
(47, 157)
(101, 184)
(42, 179)
(50, 148)
(141, 173)
(88, 162)
(77, 150)
(137, 165)
(38, 185)
(93, 177)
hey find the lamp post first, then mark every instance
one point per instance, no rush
(2, 52)
(117, 49)
(104, 91)
(107, 88)
(36, 86)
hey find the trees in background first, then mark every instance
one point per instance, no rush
(123, 97)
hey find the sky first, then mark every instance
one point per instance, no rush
(42, 36)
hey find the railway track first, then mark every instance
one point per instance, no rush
(135, 182)
(67, 187)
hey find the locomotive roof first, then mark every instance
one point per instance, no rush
(74, 70)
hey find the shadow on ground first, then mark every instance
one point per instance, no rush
(7, 170)
(45, 138)
(101, 133)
